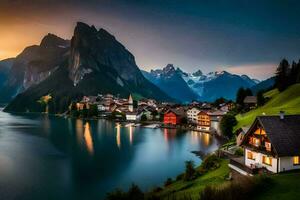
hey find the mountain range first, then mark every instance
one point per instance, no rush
(92, 62)
(198, 86)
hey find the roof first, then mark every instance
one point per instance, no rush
(250, 99)
(284, 134)
(177, 111)
(217, 113)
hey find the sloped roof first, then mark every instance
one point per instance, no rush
(284, 134)
(177, 111)
(250, 99)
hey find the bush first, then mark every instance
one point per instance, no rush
(210, 162)
(169, 181)
(134, 193)
(190, 171)
(179, 177)
(239, 152)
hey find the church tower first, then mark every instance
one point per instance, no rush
(130, 103)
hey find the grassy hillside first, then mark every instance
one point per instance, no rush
(284, 186)
(183, 189)
(288, 101)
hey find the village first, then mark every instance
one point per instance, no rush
(197, 116)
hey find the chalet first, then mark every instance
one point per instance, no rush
(250, 102)
(272, 144)
(174, 116)
(203, 121)
(192, 115)
(215, 120)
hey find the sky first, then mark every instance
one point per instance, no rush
(243, 37)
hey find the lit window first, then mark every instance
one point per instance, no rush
(267, 160)
(250, 155)
(296, 160)
(268, 146)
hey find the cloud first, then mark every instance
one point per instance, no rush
(259, 71)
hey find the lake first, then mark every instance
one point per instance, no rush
(47, 157)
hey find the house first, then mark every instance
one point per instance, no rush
(133, 116)
(240, 134)
(250, 102)
(174, 116)
(192, 115)
(215, 120)
(203, 121)
(272, 144)
(148, 112)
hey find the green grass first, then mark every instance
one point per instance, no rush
(284, 186)
(181, 189)
(288, 101)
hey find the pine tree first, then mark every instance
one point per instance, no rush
(281, 78)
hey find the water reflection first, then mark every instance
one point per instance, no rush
(130, 134)
(118, 137)
(89, 155)
(88, 138)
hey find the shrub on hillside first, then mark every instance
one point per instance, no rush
(190, 171)
(239, 152)
(134, 193)
(169, 181)
(210, 162)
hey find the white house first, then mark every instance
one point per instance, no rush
(273, 143)
(133, 116)
(192, 115)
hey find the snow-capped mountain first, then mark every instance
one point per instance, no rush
(204, 87)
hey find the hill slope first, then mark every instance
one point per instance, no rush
(288, 101)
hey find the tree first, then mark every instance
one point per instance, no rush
(219, 101)
(260, 98)
(282, 75)
(135, 193)
(189, 170)
(248, 92)
(227, 123)
(143, 118)
(240, 96)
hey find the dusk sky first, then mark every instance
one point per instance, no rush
(243, 37)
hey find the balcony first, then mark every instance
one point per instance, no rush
(238, 164)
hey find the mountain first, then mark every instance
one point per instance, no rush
(34, 65)
(171, 82)
(207, 87)
(5, 66)
(263, 85)
(94, 63)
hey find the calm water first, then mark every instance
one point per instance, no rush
(45, 157)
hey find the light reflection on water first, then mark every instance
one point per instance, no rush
(41, 156)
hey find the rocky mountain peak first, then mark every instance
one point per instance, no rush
(198, 73)
(53, 41)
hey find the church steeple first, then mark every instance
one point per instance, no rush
(130, 103)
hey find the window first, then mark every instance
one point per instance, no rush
(268, 146)
(267, 160)
(296, 160)
(250, 155)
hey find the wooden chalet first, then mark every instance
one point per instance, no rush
(272, 143)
